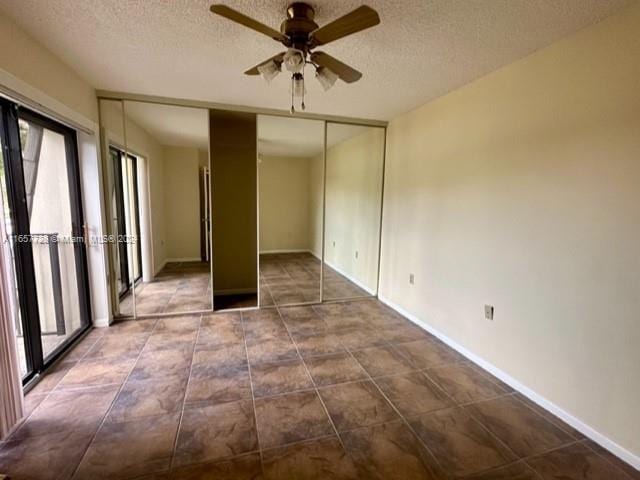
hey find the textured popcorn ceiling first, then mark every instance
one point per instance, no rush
(301, 138)
(177, 48)
(172, 126)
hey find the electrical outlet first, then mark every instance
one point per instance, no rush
(334, 244)
(488, 312)
(411, 279)
(356, 253)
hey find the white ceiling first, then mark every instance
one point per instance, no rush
(421, 50)
(277, 136)
(172, 126)
(289, 137)
(295, 137)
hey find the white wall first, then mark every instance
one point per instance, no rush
(522, 190)
(284, 203)
(353, 201)
(181, 190)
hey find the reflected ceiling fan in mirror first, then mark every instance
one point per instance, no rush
(301, 35)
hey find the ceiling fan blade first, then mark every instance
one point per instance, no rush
(249, 22)
(344, 71)
(360, 19)
(254, 70)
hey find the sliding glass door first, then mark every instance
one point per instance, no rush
(43, 217)
(126, 204)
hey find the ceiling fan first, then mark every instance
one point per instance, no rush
(301, 35)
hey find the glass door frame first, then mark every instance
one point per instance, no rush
(123, 250)
(10, 114)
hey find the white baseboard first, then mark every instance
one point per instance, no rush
(159, 269)
(582, 427)
(234, 291)
(182, 259)
(101, 322)
(294, 250)
(314, 255)
(351, 279)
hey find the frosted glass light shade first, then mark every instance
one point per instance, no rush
(294, 60)
(270, 70)
(326, 77)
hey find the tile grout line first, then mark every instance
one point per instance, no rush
(455, 405)
(253, 397)
(585, 442)
(463, 406)
(46, 395)
(326, 410)
(558, 424)
(402, 417)
(115, 398)
(525, 460)
(184, 397)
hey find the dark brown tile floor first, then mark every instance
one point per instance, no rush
(292, 278)
(178, 287)
(336, 391)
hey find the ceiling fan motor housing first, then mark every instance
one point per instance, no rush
(299, 24)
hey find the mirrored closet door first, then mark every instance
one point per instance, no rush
(353, 204)
(214, 209)
(156, 171)
(290, 171)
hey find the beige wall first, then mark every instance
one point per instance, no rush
(181, 203)
(353, 198)
(522, 190)
(284, 203)
(25, 58)
(203, 158)
(316, 204)
(143, 144)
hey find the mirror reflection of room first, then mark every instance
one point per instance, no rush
(160, 210)
(353, 196)
(290, 165)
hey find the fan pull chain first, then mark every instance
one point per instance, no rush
(303, 89)
(293, 110)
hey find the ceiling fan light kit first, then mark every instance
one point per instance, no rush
(300, 34)
(270, 70)
(294, 60)
(326, 77)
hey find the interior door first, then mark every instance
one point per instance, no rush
(45, 226)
